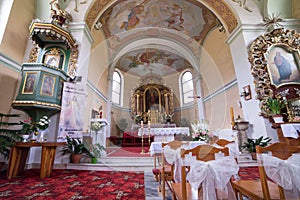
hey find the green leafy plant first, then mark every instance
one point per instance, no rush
(8, 136)
(274, 106)
(95, 150)
(251, 143)
(74, 146)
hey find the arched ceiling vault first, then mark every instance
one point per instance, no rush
(184, 22)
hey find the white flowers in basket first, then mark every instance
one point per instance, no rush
(96, 126)
(200, 130)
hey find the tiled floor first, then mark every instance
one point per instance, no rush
(151, 188)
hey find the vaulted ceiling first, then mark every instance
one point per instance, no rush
(186, 22)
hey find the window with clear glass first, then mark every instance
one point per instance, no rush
(116, 88)
(187, 87)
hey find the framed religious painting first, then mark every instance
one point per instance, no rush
(283, 65)
(48, 83)
(29, 83)
(275, 66)
(52, 60)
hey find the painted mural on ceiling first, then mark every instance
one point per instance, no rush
(192, 19)
(160, 62)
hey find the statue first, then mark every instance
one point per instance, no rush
(59, 16)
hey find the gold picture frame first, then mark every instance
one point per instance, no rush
(29, 83)
(261, 57)
(48, 82)
(52, 60)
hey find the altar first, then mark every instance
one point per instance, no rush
(164, 134)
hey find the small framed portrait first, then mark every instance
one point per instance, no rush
(247, 92)
(29, 83)
(52, 60)
(48, 83)
(283, 65)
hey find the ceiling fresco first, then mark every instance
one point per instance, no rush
(191, 19)
(160, 62)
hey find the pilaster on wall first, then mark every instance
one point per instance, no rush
(239, 43)
(84, 39)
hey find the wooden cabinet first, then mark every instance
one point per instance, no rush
(282, 138)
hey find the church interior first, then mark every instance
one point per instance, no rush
(132, 73)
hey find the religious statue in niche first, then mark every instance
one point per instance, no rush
(152, 99)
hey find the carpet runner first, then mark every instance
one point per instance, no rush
(74, 184)
(127, 152)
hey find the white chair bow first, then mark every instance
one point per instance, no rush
(173, 157)
(214, 174)
(283, 172)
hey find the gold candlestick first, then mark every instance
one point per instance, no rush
(149, 139)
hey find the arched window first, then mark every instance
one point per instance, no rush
(187, 88)
(117, 88)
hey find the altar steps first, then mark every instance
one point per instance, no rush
(139, 163)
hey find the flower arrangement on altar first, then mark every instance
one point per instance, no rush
(29, 126)
(43, 123)
(96, 126)
(200, 131)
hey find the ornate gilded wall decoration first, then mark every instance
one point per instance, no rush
(73, 62)
(34, 54)
(275, 66)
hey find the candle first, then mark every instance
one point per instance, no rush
(231, 114)
(148, 124)
(142, 124)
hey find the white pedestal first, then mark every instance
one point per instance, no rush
(99, 136)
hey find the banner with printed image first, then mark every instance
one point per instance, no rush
(72, 111)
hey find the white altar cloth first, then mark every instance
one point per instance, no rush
(290, 130)
(164, 134)
(156, 147)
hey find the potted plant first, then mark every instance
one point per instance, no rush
(95, 152)
(251, 143)
(8, 135)
(274, 109)
(75, 147)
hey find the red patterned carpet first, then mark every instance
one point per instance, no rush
(249, 173)
(74, 184)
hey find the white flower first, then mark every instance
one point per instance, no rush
(43, 123)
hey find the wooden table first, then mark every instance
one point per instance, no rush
(19, 153)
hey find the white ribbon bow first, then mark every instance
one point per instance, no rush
(283, 172)
(214, 174)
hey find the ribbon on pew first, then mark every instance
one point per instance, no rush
(283, 172)
(212, 175)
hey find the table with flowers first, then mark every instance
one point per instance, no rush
(19, 153)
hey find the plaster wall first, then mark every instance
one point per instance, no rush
(282, 7)
(296, 9)
(251, 108)
(8, 85)
(218, 109)
(16, 34)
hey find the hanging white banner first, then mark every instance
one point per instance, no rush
(72, 111)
